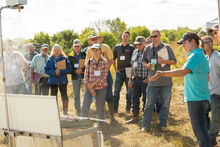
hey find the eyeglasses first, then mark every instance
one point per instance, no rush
(95, 39)
(214, 34)
(155, 36)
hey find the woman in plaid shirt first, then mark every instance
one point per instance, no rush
(95, 79)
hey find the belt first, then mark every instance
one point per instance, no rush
(138, 78)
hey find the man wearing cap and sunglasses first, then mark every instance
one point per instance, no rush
(107, 54)
(123, 53)
(153, 62)
(215, 32)
(138, 78)
(77, 72)
(37, 65)
(29, 56)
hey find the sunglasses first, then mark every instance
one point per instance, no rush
(155, 36)
(56, 45)
(214, 34)
(148, 41)
(138, 44)
(207, 42)
(94, 39)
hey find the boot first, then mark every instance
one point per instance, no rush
(111, 110)
(65, 107)
(134, 119)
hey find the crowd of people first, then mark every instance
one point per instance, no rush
(144, 70)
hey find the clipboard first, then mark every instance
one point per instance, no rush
(61, 64)
(81, 63)
(164, 54)
(36, 77)
(128, 71)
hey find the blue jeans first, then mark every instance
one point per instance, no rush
(42, 87)
(17, 89)
(76, 89)
(119, 80)
(152, 93)
(158, 104)
(109, 97)
(29, 83)
(197, 111)
(100, 103)
(138, 87)
(215, 121)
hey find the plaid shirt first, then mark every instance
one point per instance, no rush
(89, 73)
(139, 71)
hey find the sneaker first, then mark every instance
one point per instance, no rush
(144, 130)
(164, 129)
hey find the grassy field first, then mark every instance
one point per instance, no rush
(119, 134)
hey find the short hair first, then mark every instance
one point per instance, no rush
(126, 32)
(156, 30)
(207, 37)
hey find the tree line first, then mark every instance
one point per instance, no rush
(111, 30)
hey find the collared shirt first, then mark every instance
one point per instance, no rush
(150, 52)
(136, 61)
(38, 64)
(106, 52)
(13, 68)
(196, 82)
(123, 55)
(78, 57)
(90, 70)
(29, 56)
(214, 76)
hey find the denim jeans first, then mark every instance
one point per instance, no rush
(215, 121)
(158, 104)
(109, 97)
(196, 110)
(42, 87)
(29, 83)
(76, 89)
(152, 93)
(100, 103)
(119, 80)
(17, 89)
(139, 87)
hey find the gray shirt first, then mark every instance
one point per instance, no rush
(150, 52)
(123, 55)
(214, 75)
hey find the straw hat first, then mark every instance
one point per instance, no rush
(94, 35)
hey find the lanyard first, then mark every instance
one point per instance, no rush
(154, 55)
(97, 64)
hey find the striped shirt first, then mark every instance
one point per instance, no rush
(138, 70)
(90, 76)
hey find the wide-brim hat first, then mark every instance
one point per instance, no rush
(188, 35)
(94, 35)
(139, 40)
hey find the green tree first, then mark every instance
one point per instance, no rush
(138, 31)
(41, 38)
(116, 26)
(65, 39)
(84, 35)
(109, 39)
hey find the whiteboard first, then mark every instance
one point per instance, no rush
(31, 113)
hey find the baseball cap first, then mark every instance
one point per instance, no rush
(214, 27)
(97, 46)
(30, 44)
(76, 42)
(139, 40)
(45, 46)
(188, 35)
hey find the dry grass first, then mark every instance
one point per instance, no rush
(119, 134)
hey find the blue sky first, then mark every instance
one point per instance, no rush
(52, 16)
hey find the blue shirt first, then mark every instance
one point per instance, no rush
(196, 82)
(78, 57)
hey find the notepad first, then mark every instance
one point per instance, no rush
(36, 77)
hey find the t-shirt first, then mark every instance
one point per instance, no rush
(106, 52)
(214, 76)
(123, 55)
(196, 82)
(149, 53)
(13, 68)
